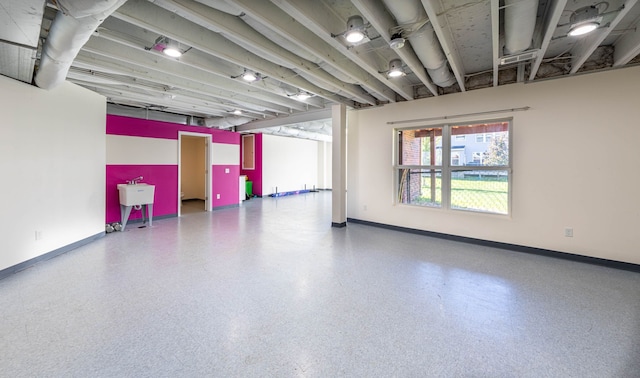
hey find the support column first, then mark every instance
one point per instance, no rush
(339, 166)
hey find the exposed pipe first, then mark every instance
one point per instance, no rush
(519, 25)
(71, 29)
(226, 122)
(424, 41)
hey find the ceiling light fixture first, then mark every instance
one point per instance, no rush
(356, 32)
(302, 95)
(169, 47)
(584, 20)
(249, 76)
(355, 29)
(172, 52)
(395, 68)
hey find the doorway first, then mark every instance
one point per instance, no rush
(194, 173)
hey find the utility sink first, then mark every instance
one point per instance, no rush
(136, 194)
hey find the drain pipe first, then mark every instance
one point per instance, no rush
(424, 41)
(519, 25)
(71, 29)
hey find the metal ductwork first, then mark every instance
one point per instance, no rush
(519, 25)
(226, 122)
(424, 41)
(71, 29)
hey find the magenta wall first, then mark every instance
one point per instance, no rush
(255, 175)
(165, 177)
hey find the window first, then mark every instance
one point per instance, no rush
(248, 148)
(434, 170)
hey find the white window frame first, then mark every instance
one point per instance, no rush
(447, 168)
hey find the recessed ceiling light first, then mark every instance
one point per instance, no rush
(237, 112)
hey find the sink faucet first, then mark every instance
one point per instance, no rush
(135, 180)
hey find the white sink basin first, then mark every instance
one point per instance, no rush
(137, 194)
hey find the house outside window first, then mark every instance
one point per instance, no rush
(435, 170)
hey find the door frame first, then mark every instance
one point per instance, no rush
(207, 162)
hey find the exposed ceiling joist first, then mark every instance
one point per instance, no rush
(134, 95)
(552, 20)
(225, 72)
(382, 21)
(438, 19)
(314, 115)
(587, 45)
(627, 47)
(117, 81)
(285, 25)
(154, 67)
(163, 22)
(317, 17)
(227, 24)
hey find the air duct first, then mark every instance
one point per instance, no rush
(71, 29)
(424, 41)
(519, 25)
(226, 122)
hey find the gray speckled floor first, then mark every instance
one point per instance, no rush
(270, 289)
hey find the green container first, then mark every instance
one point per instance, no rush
(249, 189)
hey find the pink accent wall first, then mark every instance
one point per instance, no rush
(164, 177)
(225, 184)
(119, 125)
(255, 175)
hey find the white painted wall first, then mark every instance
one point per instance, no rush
(135, 150)
(225, 154)
(324, 165)
(288, 163)
(575, 164)
(52, 164)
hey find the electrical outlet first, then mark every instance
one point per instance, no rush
(38, 235)
(568, 232)
(364, 207)
(226, 170)
(217, 196)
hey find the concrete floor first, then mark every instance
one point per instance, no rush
(270, 289)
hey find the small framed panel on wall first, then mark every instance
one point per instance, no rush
(248, 152)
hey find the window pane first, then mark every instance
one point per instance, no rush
(480, 190)
(487, 145)
(420, 187)
(420, 147)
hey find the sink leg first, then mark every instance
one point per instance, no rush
(125, 211)
(150, 213)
